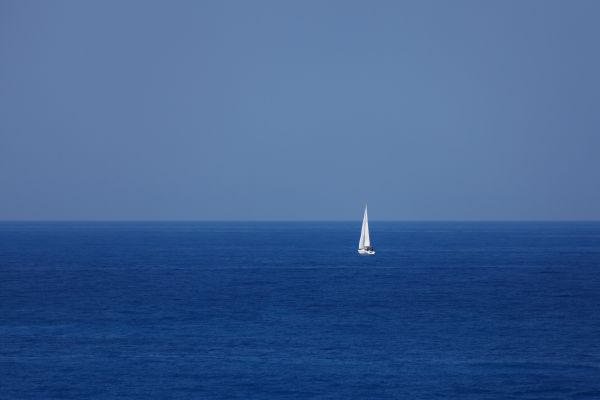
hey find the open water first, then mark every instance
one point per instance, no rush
(290, 311)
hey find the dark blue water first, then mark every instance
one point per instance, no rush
(290, 311)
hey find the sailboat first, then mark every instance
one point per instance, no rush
(364, 244)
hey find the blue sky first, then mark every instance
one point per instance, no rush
(193, 110)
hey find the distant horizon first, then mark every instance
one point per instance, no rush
(296, 220)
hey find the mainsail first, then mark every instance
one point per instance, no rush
(364, 241)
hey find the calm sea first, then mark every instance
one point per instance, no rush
(290, 311)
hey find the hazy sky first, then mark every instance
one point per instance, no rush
(299, 109)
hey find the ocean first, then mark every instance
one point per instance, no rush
(288, 310)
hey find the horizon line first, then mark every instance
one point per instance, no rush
(282, 220)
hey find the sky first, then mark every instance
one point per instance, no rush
(299, 110)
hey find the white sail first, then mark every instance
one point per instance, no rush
(364, 241)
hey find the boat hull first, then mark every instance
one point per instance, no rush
(366, 252)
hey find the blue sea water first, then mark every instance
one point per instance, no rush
(290, 311)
